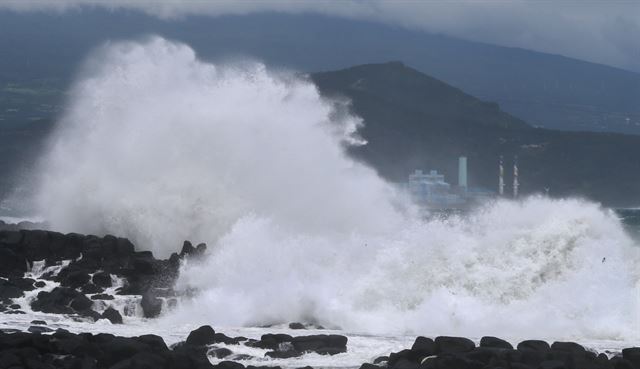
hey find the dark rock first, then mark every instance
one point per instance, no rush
(552, 364)
(90, 289)
(38, 322)
(10, 360)
(17, 312)
(14, 306)
(571, 347)
(151, 305)
(283, 354)
(424, 346)
(75, 279)
(81, 303)
(220, 352)
(621, 363)
(229, 365)
(112, 315)
(40, 284)
(222, 338)
(11, 264)
(59, 301)
(369, 366)
(535, 345)
(296, 326)
(632, 354)
(8, 291)
(39, 329)
(187, 249)
(102, 279)
(102, 296)
(144, 265)
(445, 344)
(270, 341)
(25, 284)
(118, 349)
(155, 342)
(407, 355)
(204, 335)
(488, 341)
(321, 343)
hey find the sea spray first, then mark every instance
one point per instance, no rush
(159, 146)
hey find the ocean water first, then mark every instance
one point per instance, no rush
(159, 146)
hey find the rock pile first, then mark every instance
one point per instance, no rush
(495, 353)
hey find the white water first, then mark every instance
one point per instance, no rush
(160, 147)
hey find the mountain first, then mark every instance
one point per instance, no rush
(413, 121)
(549, 91)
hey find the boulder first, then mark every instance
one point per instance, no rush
(102, 279)
(494, 342)
(535, 345)
(220, 353)
(424, 346)
(112, 315)
(445, 344)
(204, 335)
(321, 343)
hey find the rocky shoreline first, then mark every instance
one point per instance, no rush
(85, 277)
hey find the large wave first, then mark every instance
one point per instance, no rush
(159, 146)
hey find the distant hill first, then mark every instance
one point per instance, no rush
(545, 90)
(413, 121)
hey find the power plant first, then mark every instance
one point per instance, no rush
(431, 191)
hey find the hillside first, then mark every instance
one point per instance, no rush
(413, 121)
(545, 90)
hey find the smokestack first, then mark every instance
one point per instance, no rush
(501, 178)
(462, 172)
(516, 184)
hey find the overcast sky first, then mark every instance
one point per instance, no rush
(605, 31)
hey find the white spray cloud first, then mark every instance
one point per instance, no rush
(159, 146)
(603, 32)
(162, 147)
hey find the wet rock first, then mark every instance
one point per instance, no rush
(424, 346)
(102, 279)
(204, 335)
(229, 365)
(445, 344)
(9, 291)
(102, 296)
(60, 301)
(74, 279)
(632, 354)
(570, 347)
(39, 329)
(220, 352)
(494, 342)
(40, 284)
(323, 344)
(38, 322)
(296, 326)
(222, 338)
(535, 345)
(270, 341)
(90, 289)
(112, 315)
(151, 305)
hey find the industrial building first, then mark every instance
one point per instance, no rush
(431, 191)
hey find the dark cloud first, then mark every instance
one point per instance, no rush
(600, 31)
